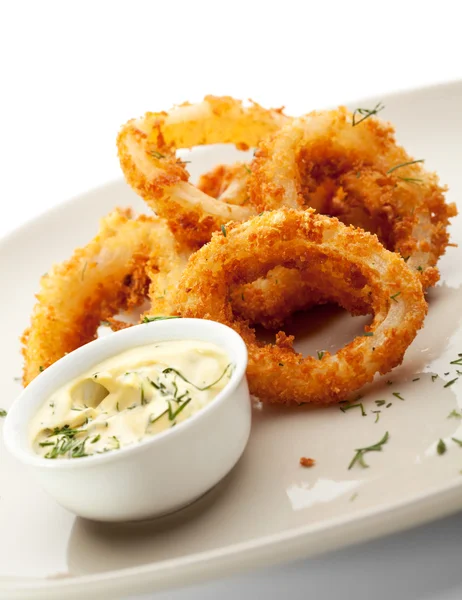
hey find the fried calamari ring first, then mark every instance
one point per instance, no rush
(147, 156)
(227, 183)
(325, 250)
(359, 174)
(116, 271)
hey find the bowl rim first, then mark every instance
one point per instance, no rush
(16, 423)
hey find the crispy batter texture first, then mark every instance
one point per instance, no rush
(147, 148)
(227, 183)
(324, 249)
(127, 260)
(354, 173)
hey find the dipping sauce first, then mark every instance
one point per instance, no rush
(130, 397)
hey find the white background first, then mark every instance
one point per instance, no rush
(72, 72)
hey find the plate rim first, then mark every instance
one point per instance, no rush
(286, 545)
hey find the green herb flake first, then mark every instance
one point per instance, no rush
(450, 382)
(441, 447)
(359, 405)
(434, 377)
(41, 369)
(365, 113)
(248, 169)
(380, 402)
(416, 379)
(377, 417)
(320, 354)
(95, 439)
(389, 382)
(396, 395)
(82, 276)
(454, 414)
(395, 296)
(201, 389)
(147, 319)
(223, 230)
(3, 412)
(360, 452)
(405, 164)
(457, 441)
(353, 497)
(156, 154)
(368, 334)
(388, 405)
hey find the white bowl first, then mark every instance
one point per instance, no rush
(158, 475)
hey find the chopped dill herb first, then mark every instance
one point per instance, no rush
(457, 441)
(320, 354)
(173, 414)
(360, 452)
(148, 319)
(395, 296)
(3, 412)
(377, 413)
(419, 268)
(366, 113)
(156, 154)
(151, 420)
(450, 382)
(389, 382)
(456, 362)
(143, 396)
(380, 402)
(43, 444)
(397, 395)
(454, 414)
(353, 497)
(405, 164)
(117, 407)
(41, 369)
(434, 377)
(389, 404)
(201, 389)
(95, 439)
(441, 447)
(368, 334)
(223, 230)
(116, 442)
(416, 379)
(359, 405)
(247, 168)
(281, 364)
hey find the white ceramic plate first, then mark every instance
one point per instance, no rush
(269, 509)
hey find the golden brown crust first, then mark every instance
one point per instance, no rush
(147, 147)
(116, 271)
(327, 251)
(354, 173)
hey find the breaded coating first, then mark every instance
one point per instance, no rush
(330, 253)
(361, 175)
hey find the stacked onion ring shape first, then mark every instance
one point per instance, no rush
(128, 260)
(147, 152)
(349, 259)
(357, 172)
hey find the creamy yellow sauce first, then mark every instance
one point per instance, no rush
(130, 397)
